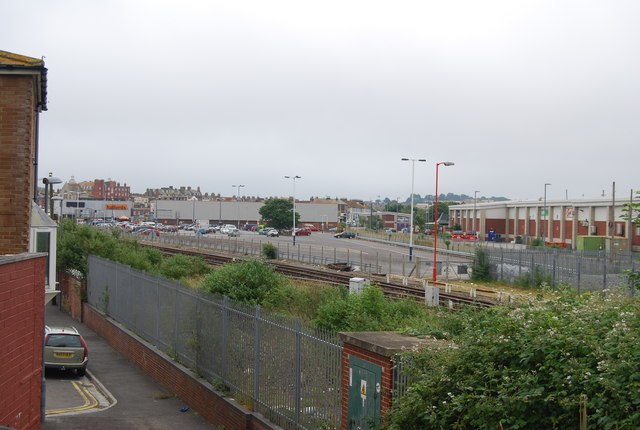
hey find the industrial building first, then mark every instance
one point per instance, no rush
(564, 223)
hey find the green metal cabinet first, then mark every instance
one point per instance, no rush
(364, 394)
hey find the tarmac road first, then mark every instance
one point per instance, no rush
(124, 397)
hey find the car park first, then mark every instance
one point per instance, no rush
(345, 235)
(65, 349)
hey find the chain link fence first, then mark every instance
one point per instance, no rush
(276, 365)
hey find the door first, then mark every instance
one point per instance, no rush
(364, 394)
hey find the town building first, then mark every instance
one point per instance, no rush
(110, 190)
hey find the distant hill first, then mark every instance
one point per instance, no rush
(450, 197)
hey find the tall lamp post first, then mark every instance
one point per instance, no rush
(48, 192)
(293, 229)
(237, 197)
(413, 166)
(475, 201)
(544, 225)
(435, 224)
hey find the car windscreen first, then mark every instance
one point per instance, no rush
(64, 340)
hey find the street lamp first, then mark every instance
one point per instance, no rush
(48, 189)
(237, 197)
(413, 166)
(475, 201)
(544, 225)
(435, 223)
(293, 230)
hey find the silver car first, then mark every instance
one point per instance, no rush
(64, 349)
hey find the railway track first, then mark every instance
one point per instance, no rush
(321, 274)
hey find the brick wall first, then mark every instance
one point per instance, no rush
(71, 292)
(195, 392)
(17, 125)
(21, 331)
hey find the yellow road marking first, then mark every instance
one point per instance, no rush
(89, 400)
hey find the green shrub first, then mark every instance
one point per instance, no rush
(249, 281)
(526, 368)
(481, 268)
(269, 251)
(535, 279)
(367, 311)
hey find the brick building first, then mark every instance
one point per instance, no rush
(110, 190)
(561, 222)
(22, 274)
(22, 98)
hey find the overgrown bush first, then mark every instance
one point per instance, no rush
(76, 242)
(481, 268)
(249, 281)
(535, 278)
(269, 251)
(367, 311)
(526, 368)
(182, 267)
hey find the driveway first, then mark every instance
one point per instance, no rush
(116, 394)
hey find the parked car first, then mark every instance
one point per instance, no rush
(302, 232)
(146, 232)
(273, 233)
(312, 227)
(457, 235)
(345, 235)
(64, 348)
(471, 235)
(233, 232)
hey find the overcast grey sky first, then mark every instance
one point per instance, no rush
(215, 93)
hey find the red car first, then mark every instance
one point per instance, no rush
(302, 232)
(457, 235)
(313, 228)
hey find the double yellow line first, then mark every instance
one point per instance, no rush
(89, 400)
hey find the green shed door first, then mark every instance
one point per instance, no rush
(364, 394)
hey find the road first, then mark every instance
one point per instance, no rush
(322, 248)
(117, 395)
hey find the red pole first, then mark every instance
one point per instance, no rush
(435, 225)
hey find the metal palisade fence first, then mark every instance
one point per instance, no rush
(583, 270)
(286, 370)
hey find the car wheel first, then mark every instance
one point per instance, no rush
(81, 372)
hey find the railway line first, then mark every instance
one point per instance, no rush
(336, 277)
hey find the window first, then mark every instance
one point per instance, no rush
(64, 340)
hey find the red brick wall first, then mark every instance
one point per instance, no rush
(17, 124)
(197, 393)
(386, 383)
(21, 331)
(72, 291)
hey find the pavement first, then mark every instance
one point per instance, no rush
(114, 394)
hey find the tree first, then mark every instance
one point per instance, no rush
(419, 217)
(278, 213)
